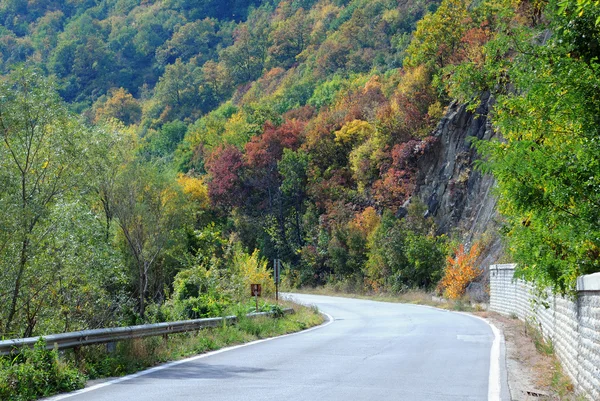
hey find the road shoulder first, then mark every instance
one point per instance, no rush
(534, 372)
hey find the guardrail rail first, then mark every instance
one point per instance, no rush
(110, 335)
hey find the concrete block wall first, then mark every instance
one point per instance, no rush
(573, 325)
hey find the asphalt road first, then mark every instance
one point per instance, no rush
(369, 351)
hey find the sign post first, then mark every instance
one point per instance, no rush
(255, 290)
(276, 275)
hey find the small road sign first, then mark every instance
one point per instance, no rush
(255, 290)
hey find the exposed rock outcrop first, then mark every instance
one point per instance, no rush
(459, 197)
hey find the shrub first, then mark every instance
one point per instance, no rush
(197, 293)
(37, 373)
(459, 272)
(250, 269)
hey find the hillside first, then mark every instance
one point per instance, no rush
(179, 147)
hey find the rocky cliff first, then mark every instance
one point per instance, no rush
(459, 197)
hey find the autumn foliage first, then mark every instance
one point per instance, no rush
(301, 129)
(460, 271)
(224, 166)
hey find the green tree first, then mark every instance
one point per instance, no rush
(245, 59)
(40, 159)
(194, 38)
(293, 168)
(114, 151)
(178, 92)
(405, 253)
(290, 38)
(45, 32)
(163, 142)
(152, 215)
(547, 162)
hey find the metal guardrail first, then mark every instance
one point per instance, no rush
(102, 336)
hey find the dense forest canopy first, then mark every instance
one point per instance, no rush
(156, 154)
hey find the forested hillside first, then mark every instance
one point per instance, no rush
(157, 154)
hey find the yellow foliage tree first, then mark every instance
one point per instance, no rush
(252, 269)
(364, 161)
(438, 35)
(195, 189)
(366, 222)
(120, 105)
(355, 131)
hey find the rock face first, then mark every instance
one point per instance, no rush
(460, 198)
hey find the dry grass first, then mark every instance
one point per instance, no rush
(534, 372)
(416, 297)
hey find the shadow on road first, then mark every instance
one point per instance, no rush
(187, 371)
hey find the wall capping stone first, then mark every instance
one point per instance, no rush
(505, 266)
(590, 282)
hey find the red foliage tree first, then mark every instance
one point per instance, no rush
(362, 104)
(225, 166)
(398, 182)
(304, 113)
(264, 151)
(471, 45)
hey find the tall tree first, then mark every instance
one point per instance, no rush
(290, 38)
(245, 59)
(40, 157)
(151, 214)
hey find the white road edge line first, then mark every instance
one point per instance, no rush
(494, 384)
(175, 363)
(495, 377)
(494, 381)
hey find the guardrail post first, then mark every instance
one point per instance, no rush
(111, 347)
(77, 354)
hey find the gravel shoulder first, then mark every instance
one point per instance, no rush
(534, 372)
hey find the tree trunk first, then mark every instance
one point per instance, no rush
(142, 283)
(17, 290)
(298, 225)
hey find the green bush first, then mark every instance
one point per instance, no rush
(202, 306)
(36, 373)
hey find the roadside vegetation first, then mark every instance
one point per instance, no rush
(414, 297)
(39, 372)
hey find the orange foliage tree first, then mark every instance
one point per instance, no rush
(459, 272)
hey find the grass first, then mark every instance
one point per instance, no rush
(134, 355)
(95, 362)
(559, 382)
(543, 346)
(415, 297)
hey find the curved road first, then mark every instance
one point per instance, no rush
(369, 351)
